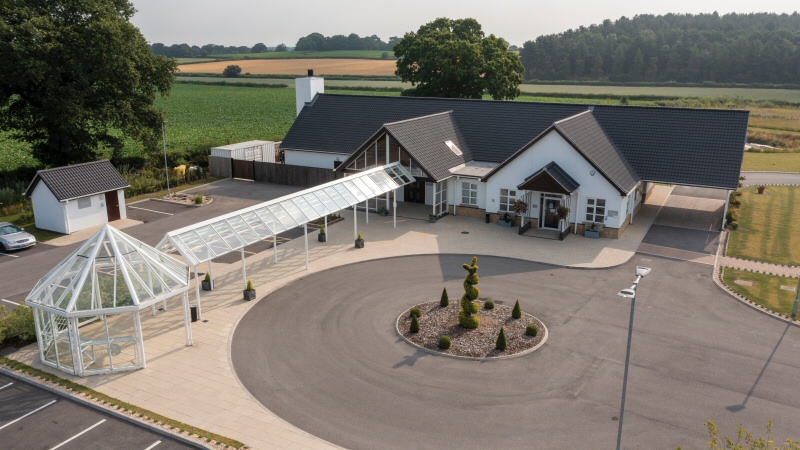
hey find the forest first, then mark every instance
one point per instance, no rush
(318, 42)
(732, 48)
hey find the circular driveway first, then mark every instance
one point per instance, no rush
(322, 354)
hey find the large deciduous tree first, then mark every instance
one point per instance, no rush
(454, 58)
(78, 76)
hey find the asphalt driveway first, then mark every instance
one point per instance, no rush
(322, 353)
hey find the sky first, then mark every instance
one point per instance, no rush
(247, 22)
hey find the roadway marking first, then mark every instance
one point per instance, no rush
(9, 301)
(156, 443)
(6, 254)
(74, 437)
(9, 384)
(26, 415)
(151, 210)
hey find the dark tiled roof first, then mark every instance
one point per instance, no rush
(424, 139)
(673, 145)
(550, 178)
(79, 180)
(588, 137)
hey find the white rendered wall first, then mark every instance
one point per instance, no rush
(305, 90)
(312, 159)
(123, 211)
(553, 147)
(78, 219)
(47, 210)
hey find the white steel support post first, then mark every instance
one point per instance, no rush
(387, 162)
(211, 273)
(355, 222)
(366, 210)
(305, 232)
(75, 345)
(137, 326)
(275, 246)
(197, 291)
(244, 269)
(187, 319)
(394, 208)
(326, 226)
(434, 198)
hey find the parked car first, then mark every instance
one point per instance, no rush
(13, 237)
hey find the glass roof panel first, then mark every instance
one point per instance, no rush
(294, 211)
(270, 220)
(314, 202)
(229, 235)
(327, 201)
(334, 194)
(350, 193)
(377, 190)
(213, 240)
(255, 222)
(379, 181)
(243, 230)
(361, 192)
(309, 211)
(196, 248)
(283, 217)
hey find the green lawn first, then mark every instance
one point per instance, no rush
(772, 162)
(767, 226)
(766, 289)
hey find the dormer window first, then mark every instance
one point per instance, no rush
(453, 147)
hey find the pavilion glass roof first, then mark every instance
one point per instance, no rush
(213, 238)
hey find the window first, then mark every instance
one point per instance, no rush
(469, 193)
(595, 210)
(507, 199)
(84, 202)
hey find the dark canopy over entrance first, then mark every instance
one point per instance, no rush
(550, 178)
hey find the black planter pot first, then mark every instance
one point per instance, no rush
(383, 213)
(359, 243)
(322, 237)
(206, 285)
(249, 295)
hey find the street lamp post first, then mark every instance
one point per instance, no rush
(629, 293)
(166, 168)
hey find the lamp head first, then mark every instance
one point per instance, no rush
(642, 271)
(627, 293)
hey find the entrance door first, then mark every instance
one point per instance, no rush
(550, 217)
(414, 192)
(112, 206)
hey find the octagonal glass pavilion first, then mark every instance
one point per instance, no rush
(87, 308)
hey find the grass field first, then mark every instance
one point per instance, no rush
(767, 226)
(771, 162)
(357, 54)
(333, 66)
(766, 289)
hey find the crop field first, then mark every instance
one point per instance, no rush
(358, 54)
(331, 66)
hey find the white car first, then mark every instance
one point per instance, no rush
(13, 237)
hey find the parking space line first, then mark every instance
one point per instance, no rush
(9, 301)
(74, 437)
(6, 254)
(151, 210)
(26, 415)
(154, 444)
(3, 387)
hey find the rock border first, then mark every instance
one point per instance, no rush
(543, 329)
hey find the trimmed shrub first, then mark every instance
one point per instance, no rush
(488, 305)
(208, 277)
(414, 325)
(415, 312)
(471, 321)
(734, 225)
(198, 199)
(444, 342)
(501, 340)
(532, 330)
(517, 312)
(445, 301)
(17, 322)
(249, 285)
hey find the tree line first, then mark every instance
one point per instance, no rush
(738, 48)
(318, 42)
(194, 51)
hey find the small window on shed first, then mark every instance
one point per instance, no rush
(453, 147)
(84, 202)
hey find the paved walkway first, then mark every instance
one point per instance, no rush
(82, 235)
(757, 266)
(774, 178)
(197, 384)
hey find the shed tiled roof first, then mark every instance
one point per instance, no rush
(702, 147)
(79, 180)
(550, 178)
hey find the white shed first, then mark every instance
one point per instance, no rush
(71, 198)
(263, 151)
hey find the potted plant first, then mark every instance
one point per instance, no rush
(592, 230)
(322, 237)
(359, 241)
(433, 218)
(249, 292)
(562, 212)
(505, 220)
(761, 189)
(207, 283)
(383, 211)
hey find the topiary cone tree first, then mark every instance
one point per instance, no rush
(469, 307)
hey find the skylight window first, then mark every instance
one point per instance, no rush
(453, 147)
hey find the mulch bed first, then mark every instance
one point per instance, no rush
(185, 199)
(478, 343)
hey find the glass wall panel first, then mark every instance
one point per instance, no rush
(123, 341)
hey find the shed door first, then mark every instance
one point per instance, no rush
(112, 206)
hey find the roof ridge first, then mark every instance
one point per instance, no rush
(418, 118)
(52, 169)
(557, 122)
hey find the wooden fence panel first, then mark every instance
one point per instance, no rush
(300, 176)
(243, 169)
(219, 166)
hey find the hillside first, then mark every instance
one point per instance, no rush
(734, 48)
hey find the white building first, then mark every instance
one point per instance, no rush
(71, 198)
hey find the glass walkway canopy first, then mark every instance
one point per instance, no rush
(213, 238)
